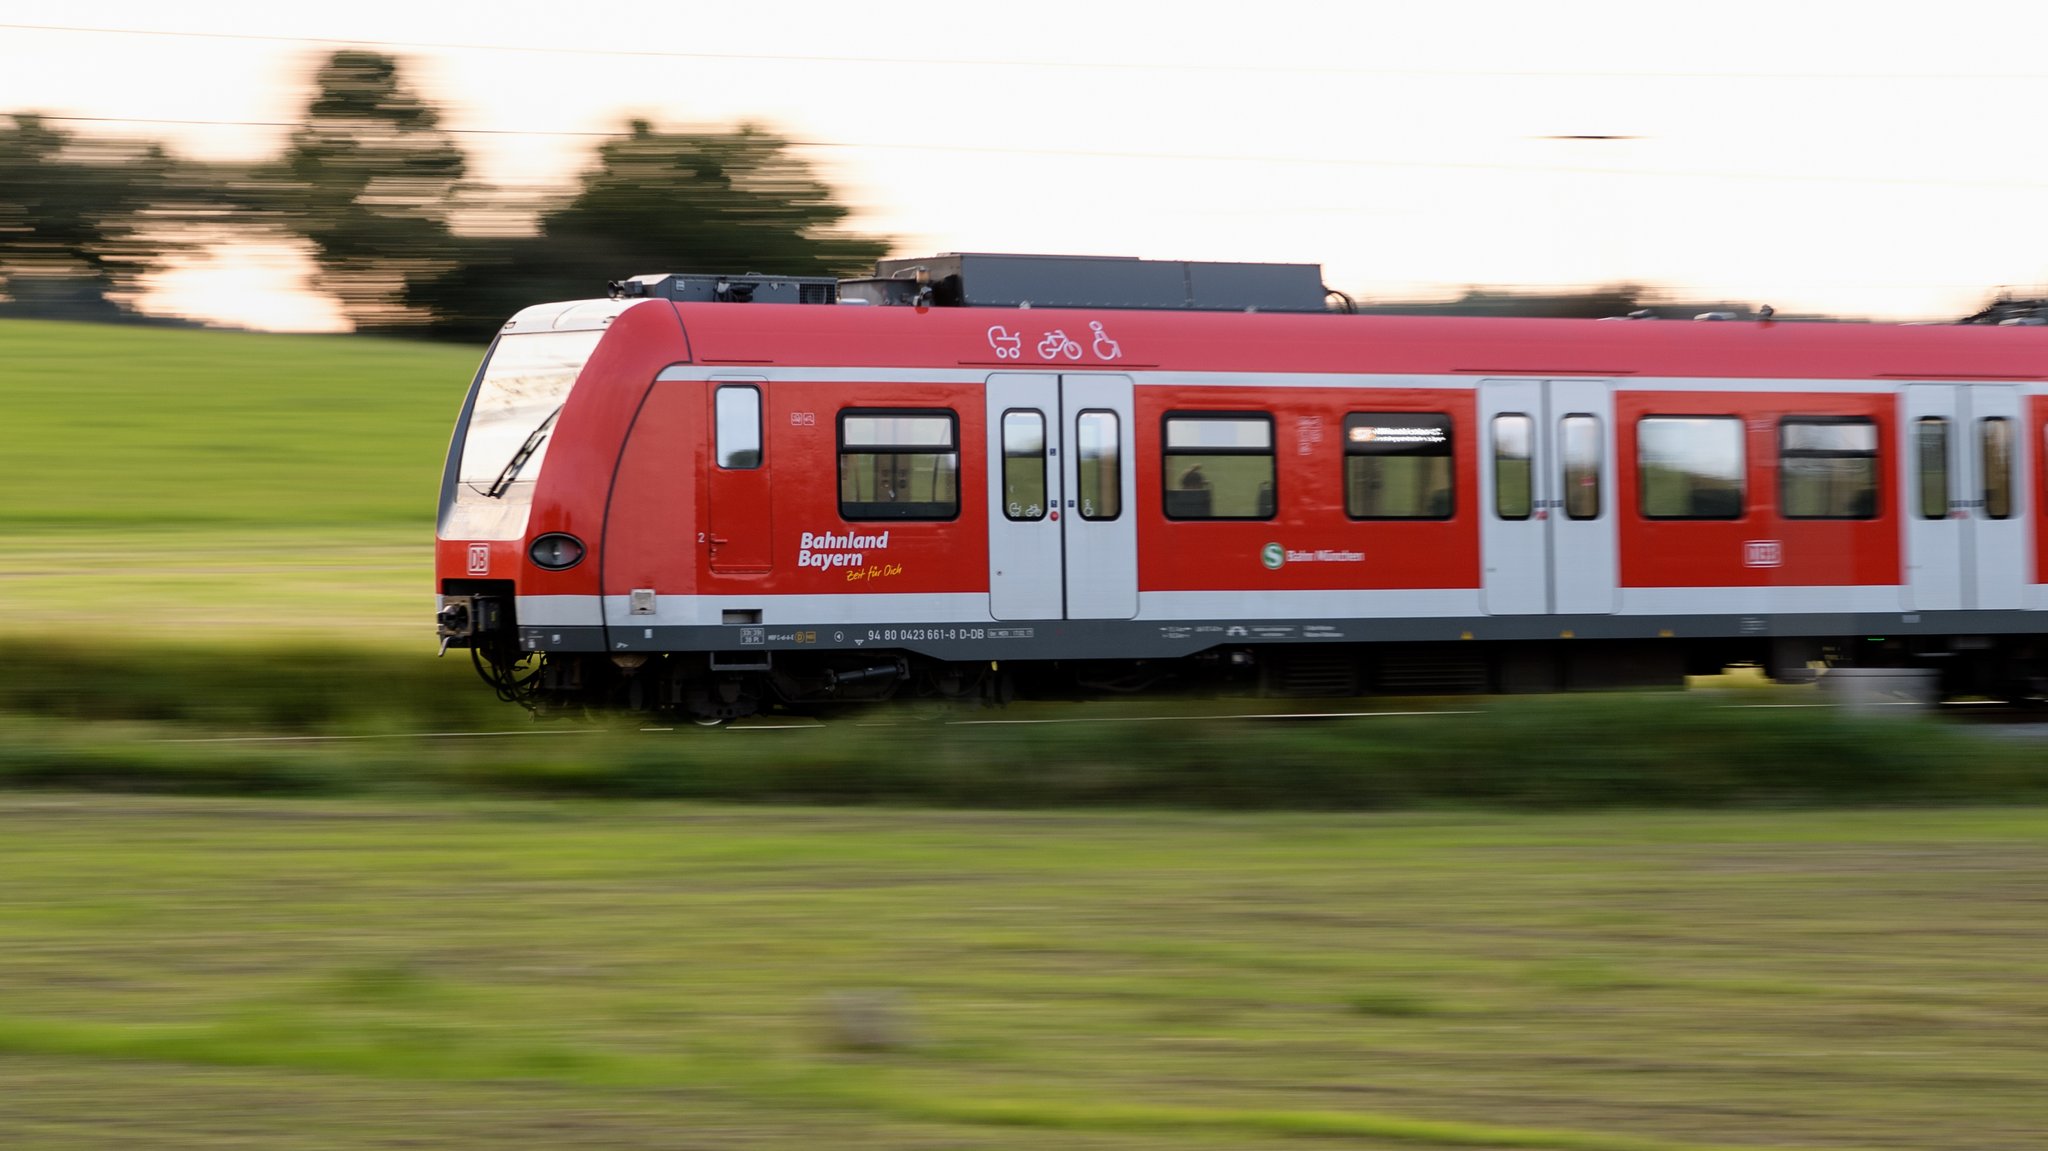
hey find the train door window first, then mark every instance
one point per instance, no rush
(1397, 466)
(1930, 445)
(1218, 466)
(1827, 469)
(739, 427)
(1994, 437)
(1100, 467)
(1690, 467)
(1024, 465)
(899, 465)
(1580, 448)
(1513, 467)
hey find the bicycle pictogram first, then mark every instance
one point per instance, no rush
(1056, 343)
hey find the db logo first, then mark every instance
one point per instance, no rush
(1763, 553)
(479, 559)
(1273, 555)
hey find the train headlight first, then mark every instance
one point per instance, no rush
(556, 551)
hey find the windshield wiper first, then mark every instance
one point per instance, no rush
(504, 481)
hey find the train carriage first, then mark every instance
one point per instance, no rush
(1033, 474)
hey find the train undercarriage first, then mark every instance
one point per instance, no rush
(712, 688)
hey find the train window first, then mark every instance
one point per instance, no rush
(1219, 466)
(1100, 465)
(1994, 437)
(1691, 467)
(1930, 441)
(1024, 465)
(506, 430)
(1513, 471)
(899, 465)
(1827, 469)
(739, 427)
(1581, 448)
(1397, 466)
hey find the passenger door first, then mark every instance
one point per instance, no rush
(1546, 504)
(1062, 533)
(1964, 498)
(1936, 516)
(739, 525)
(1997, 449)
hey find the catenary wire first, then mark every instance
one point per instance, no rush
(1063, 65)
(1171, 157)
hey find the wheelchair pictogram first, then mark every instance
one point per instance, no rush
(1105, 348)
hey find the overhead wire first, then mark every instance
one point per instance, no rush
(1293, 68)
(1169, 157)
(1106, 154)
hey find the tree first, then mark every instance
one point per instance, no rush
(735, 202)
(717, 201)
(370, 179)
(72, 218)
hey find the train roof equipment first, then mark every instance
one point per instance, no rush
(991, 280)
(705, 288)
(1008, 280)
(988, 280)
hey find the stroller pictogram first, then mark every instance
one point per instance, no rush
(1008, 345)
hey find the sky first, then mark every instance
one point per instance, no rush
(1873, 158)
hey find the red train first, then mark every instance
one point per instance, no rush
(974, 476)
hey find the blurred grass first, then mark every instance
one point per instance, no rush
(664, 974)
(216, 535)
(125, 428)
(170, 719)
(214, 484)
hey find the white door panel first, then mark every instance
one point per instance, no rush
(1964, 446)
(1099, 517)
(1547, 525)
(1063, 538)
(1584, 559)
(1936, 515)
(1514, 546)
(1024, 555)
(1997, 448)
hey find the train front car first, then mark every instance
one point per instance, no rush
(523, 494)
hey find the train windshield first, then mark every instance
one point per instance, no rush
(511, 422)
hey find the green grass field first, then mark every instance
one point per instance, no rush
(222, 485)
(1109, 935)
(287, 975)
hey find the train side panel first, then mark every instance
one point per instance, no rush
(1322, 544)
(828, 552)
(1733, 529)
